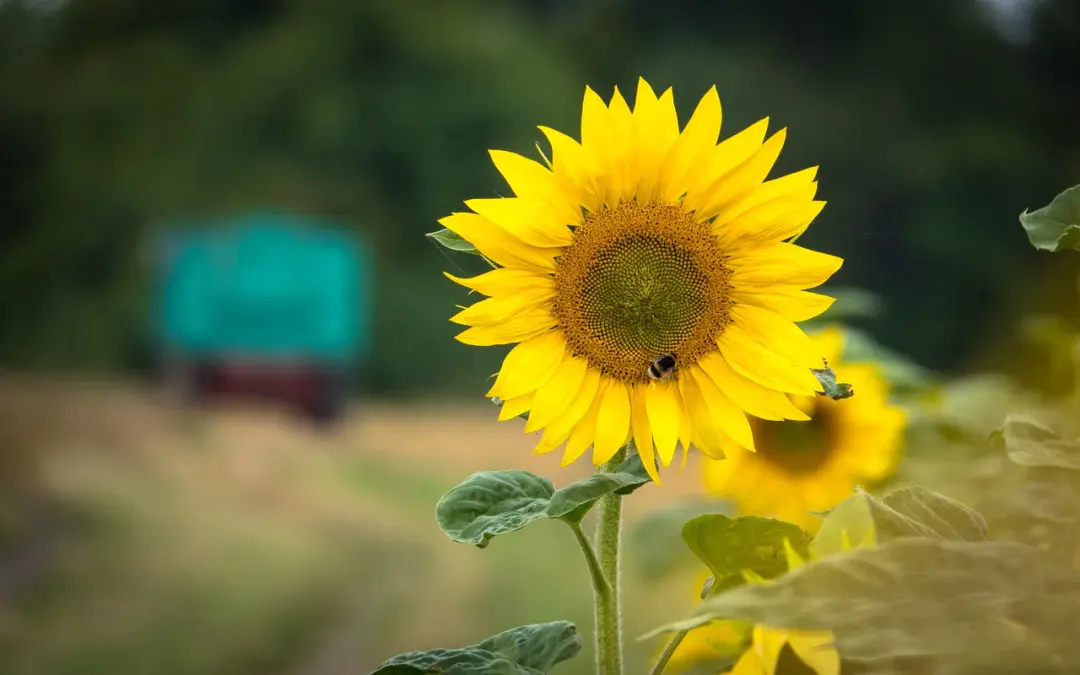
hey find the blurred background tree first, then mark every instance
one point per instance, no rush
(934, 123)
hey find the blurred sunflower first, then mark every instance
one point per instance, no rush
(644, 245)
(769, 650)
(809, 467)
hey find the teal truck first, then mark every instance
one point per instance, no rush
(269, 305)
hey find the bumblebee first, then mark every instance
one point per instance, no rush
(662, 367)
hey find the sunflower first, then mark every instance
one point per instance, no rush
(769, 650)
(811, 466)
(637, 243)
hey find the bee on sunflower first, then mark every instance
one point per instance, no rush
(648, 280)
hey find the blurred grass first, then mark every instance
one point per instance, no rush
(240, 542)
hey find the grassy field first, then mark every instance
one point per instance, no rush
(237, 540)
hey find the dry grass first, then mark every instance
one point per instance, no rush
(240, 540)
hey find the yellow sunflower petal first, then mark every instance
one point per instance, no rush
(749, 664)
(656, 128)
(524, 326)
(816, 650)
(504, 307)
(575, 170)
(793, 305)
(769, 223)
(767, 643)
(612, 422)
(584, 432)
(622, 156)
(722, 159)
(498, 244)
(744, 177)
(703, 428)
(759, 401)
(780, 335)
(530, 220)
(529, 365)
(504, 281)
(782, 264)
(559, 431)
(693, 147)
(663, 405)
(797, 187)
(755, 362)
(531, 180)
(686, 430)
(725, 414)
(558, 393)
(515, 406)
(643, 439)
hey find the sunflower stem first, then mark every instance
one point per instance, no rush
(608, 614)
(599, 581)
(668, 652)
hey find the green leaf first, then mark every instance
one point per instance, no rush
(490, 503)
(1055, 227)
(526, 650)
(1029, 443)
(572, 502)
(452, 241)
(654, 541)
(907, 512)
(730, 546)
(922, 598)
(833, 389)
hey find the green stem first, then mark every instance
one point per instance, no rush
(668, 652)
(606, 600)
(598, 581)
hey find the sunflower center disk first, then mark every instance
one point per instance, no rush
(639, 281)
(797, 447)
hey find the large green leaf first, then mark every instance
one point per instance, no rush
(526, 650)
(1029, 443)
(574, 501)
(907, 512)
(1055, 227)
(453, 241)
(965, 605)
(490, 503)
(730, 546)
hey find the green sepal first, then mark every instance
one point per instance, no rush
(833, 389)
(1055, 227)
(452, 240)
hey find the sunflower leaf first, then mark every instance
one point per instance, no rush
(922, 598)
(732, 546)
(907, 512)
(452, 240)
(1055, 227)
(526, 650)
(490, 503)
(833, 389)
(1029, 443)
(572, 502)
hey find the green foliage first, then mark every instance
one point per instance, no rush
(526, 650)
(732, 546)
(1029, 443)
(923, 598)
(907, 512)
(833, 389)
(1055, 227)
(452, 240)
(490, 503)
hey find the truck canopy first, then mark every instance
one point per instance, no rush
(264, 286)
